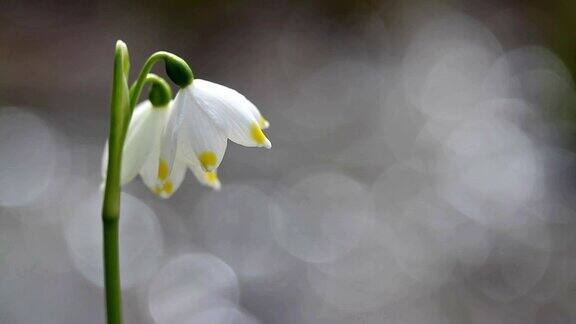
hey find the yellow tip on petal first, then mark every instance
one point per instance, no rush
(164, 189)
(211, 176)
(168, 187)
(258, 136)
(207, 160)
(212, 179)
(163, 170)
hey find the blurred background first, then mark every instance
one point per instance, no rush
(423, 167)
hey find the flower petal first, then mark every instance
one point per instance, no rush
(150, 170)
(145, 125)
(159, 177)
(262, 122)
(168, 187)
(207, 178)
(163, 172)
(169, 143)
(198, 134)
(231, 112)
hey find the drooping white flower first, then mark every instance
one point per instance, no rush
(144, 154)
(206, 114)
(142, 138)
(191, 132)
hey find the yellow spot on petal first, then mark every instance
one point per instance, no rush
(168, 187)
(257, 134)
(211, 177)
(207, 159)
(163, 170)
(157, 190)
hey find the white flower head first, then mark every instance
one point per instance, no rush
(192, 132)
(206, 114)
(142, 138)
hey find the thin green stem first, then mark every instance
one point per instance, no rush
(112, 272)
(136, 88)
(152, 78)
(176, 68)
(111, 204)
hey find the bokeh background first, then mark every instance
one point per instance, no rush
(422, 170)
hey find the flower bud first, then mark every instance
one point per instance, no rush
(178, 71)
(160, 93)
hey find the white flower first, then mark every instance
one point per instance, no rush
(206, 114)
(161, 142)
(142, 137)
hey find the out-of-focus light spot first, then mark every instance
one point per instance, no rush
(401, 182)
(367, 157)
(36, 247)
(235, 226)
(322, 215)
(365, 278)
(28, 157)
(189, 284)
(69, 301)
(509, 179)
(472, 244)
(401, 123)
(561, 272)
(532, 58)
(141, 244)
(422, 253)
(489, 161)
(334, 96)
(454, 85)
(434, 40)
(522, 266)
(516, 269)
(545, 89)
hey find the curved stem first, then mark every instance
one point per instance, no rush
(111, 204)
(136, 88)
(151, 78)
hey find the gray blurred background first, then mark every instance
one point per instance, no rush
(422, 170)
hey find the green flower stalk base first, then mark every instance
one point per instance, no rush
(112, 272)
(122, 105)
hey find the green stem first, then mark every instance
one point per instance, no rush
(111, 203)
(136, 88)
(112, 273)
(176, 68)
